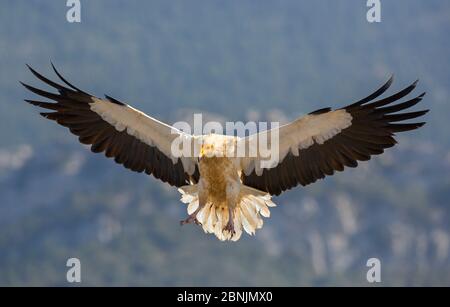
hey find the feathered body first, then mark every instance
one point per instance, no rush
(220, 202)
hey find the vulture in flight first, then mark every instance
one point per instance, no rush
(227, 193)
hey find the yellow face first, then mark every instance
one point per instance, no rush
(207, 150)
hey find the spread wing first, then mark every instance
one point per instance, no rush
(326, 141)
(134, 139)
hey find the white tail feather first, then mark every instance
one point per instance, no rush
(253, 205)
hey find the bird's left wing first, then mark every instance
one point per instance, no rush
(134, 139)
(326, 140)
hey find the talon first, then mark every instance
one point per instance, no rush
(230, 225)
(190, 219)
(230, 228)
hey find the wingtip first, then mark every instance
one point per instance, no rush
(33, 71)
(31, 102)
(54, 69)
(65, 81)
(391, 78)
(420, 97)
(421, 124)
(24, 84)
(28, 87)
(423, 112)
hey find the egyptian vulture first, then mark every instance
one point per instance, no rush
(225, 193)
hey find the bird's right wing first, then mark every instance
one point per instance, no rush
(132, 138)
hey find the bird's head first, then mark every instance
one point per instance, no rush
(217, 146)
(207, 150)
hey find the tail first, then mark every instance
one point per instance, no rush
(253, 205)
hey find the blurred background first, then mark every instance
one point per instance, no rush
(232, 60)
